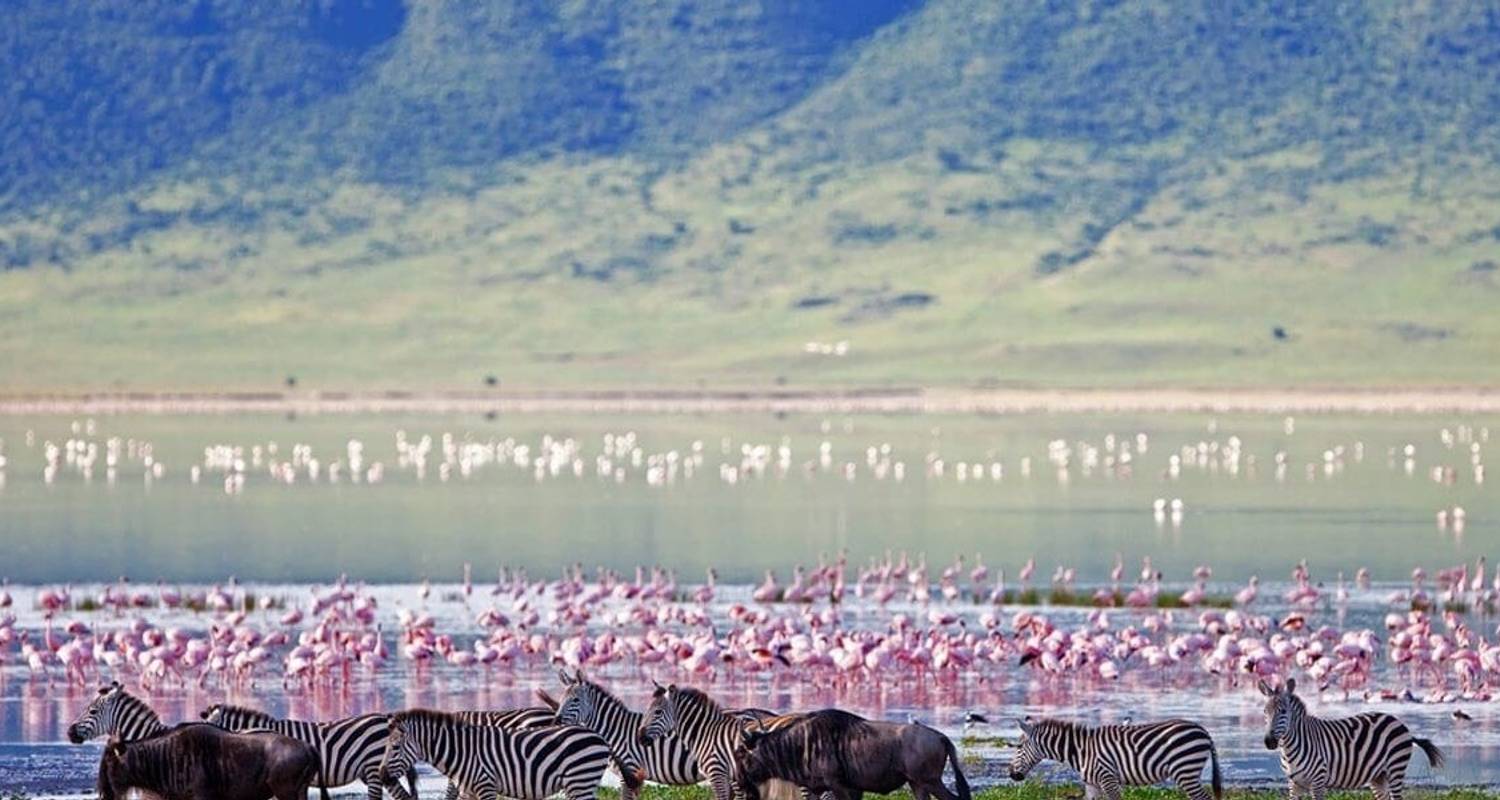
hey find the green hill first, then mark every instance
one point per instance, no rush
(589, 193)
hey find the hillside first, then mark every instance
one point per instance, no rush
(361, 193)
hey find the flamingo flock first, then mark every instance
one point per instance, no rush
(624, 456)
(894, 618)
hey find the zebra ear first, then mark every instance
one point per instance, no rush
(562, 675)
(1291, 685)
(656, 688)
(1025, 725)
(1265, 688)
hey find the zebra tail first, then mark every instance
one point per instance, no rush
(547, 699)
(1435, 756)
(960, 783)
(411, 782)
(1218, 777)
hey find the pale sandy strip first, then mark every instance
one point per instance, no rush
(871, 401)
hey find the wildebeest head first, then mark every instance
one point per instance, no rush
(660, 719)
(114, 769)
(1281, 705)
(746, 750)
(1029, 751)
(100, 716)
(750, 764)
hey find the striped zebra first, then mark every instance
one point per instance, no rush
(1112, 756)
(487, 763)
(351, 750)
(1371, 750)
(665, 760)
(117, 713)
(707, 731)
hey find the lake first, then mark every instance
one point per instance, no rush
(1344, 491)
(194, 500)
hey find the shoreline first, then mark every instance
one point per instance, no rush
(910, 400)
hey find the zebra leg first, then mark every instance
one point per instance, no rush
(1395, 783)
(452, 793)
(1192, 786)
(719, 780)
(1109, 788)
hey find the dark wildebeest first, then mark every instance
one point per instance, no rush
(199, 762)
(837, 752)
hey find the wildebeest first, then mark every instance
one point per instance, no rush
(198, 762)
(837, 752)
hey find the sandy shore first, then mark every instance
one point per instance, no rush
(901, 400)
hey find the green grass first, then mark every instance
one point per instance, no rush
(1032, 790)
(468, 305)
(1061, 596)
(408, 219)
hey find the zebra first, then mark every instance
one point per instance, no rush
(591, 706)
(1371, 750)
(487, 763)
(709, 733)
(1112, 756)
(351, 750)
(117, 713)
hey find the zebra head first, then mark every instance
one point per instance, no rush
(101, 717)
(1283, 707)
(1029, 750)
(401, 750)
(580, 701)
(660, 719)
(214, 715)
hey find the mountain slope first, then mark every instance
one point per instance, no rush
(602, 193)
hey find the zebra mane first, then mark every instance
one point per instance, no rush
(129, 702)
(246, 712)
(689, 698)
(601, 695)
(426, 715)
(1053, 724)
(1058, 738)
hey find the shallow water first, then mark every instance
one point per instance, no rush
(1345, 498)
(34, 712)
(1344, 489)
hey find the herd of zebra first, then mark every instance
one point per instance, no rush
(684, 737)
